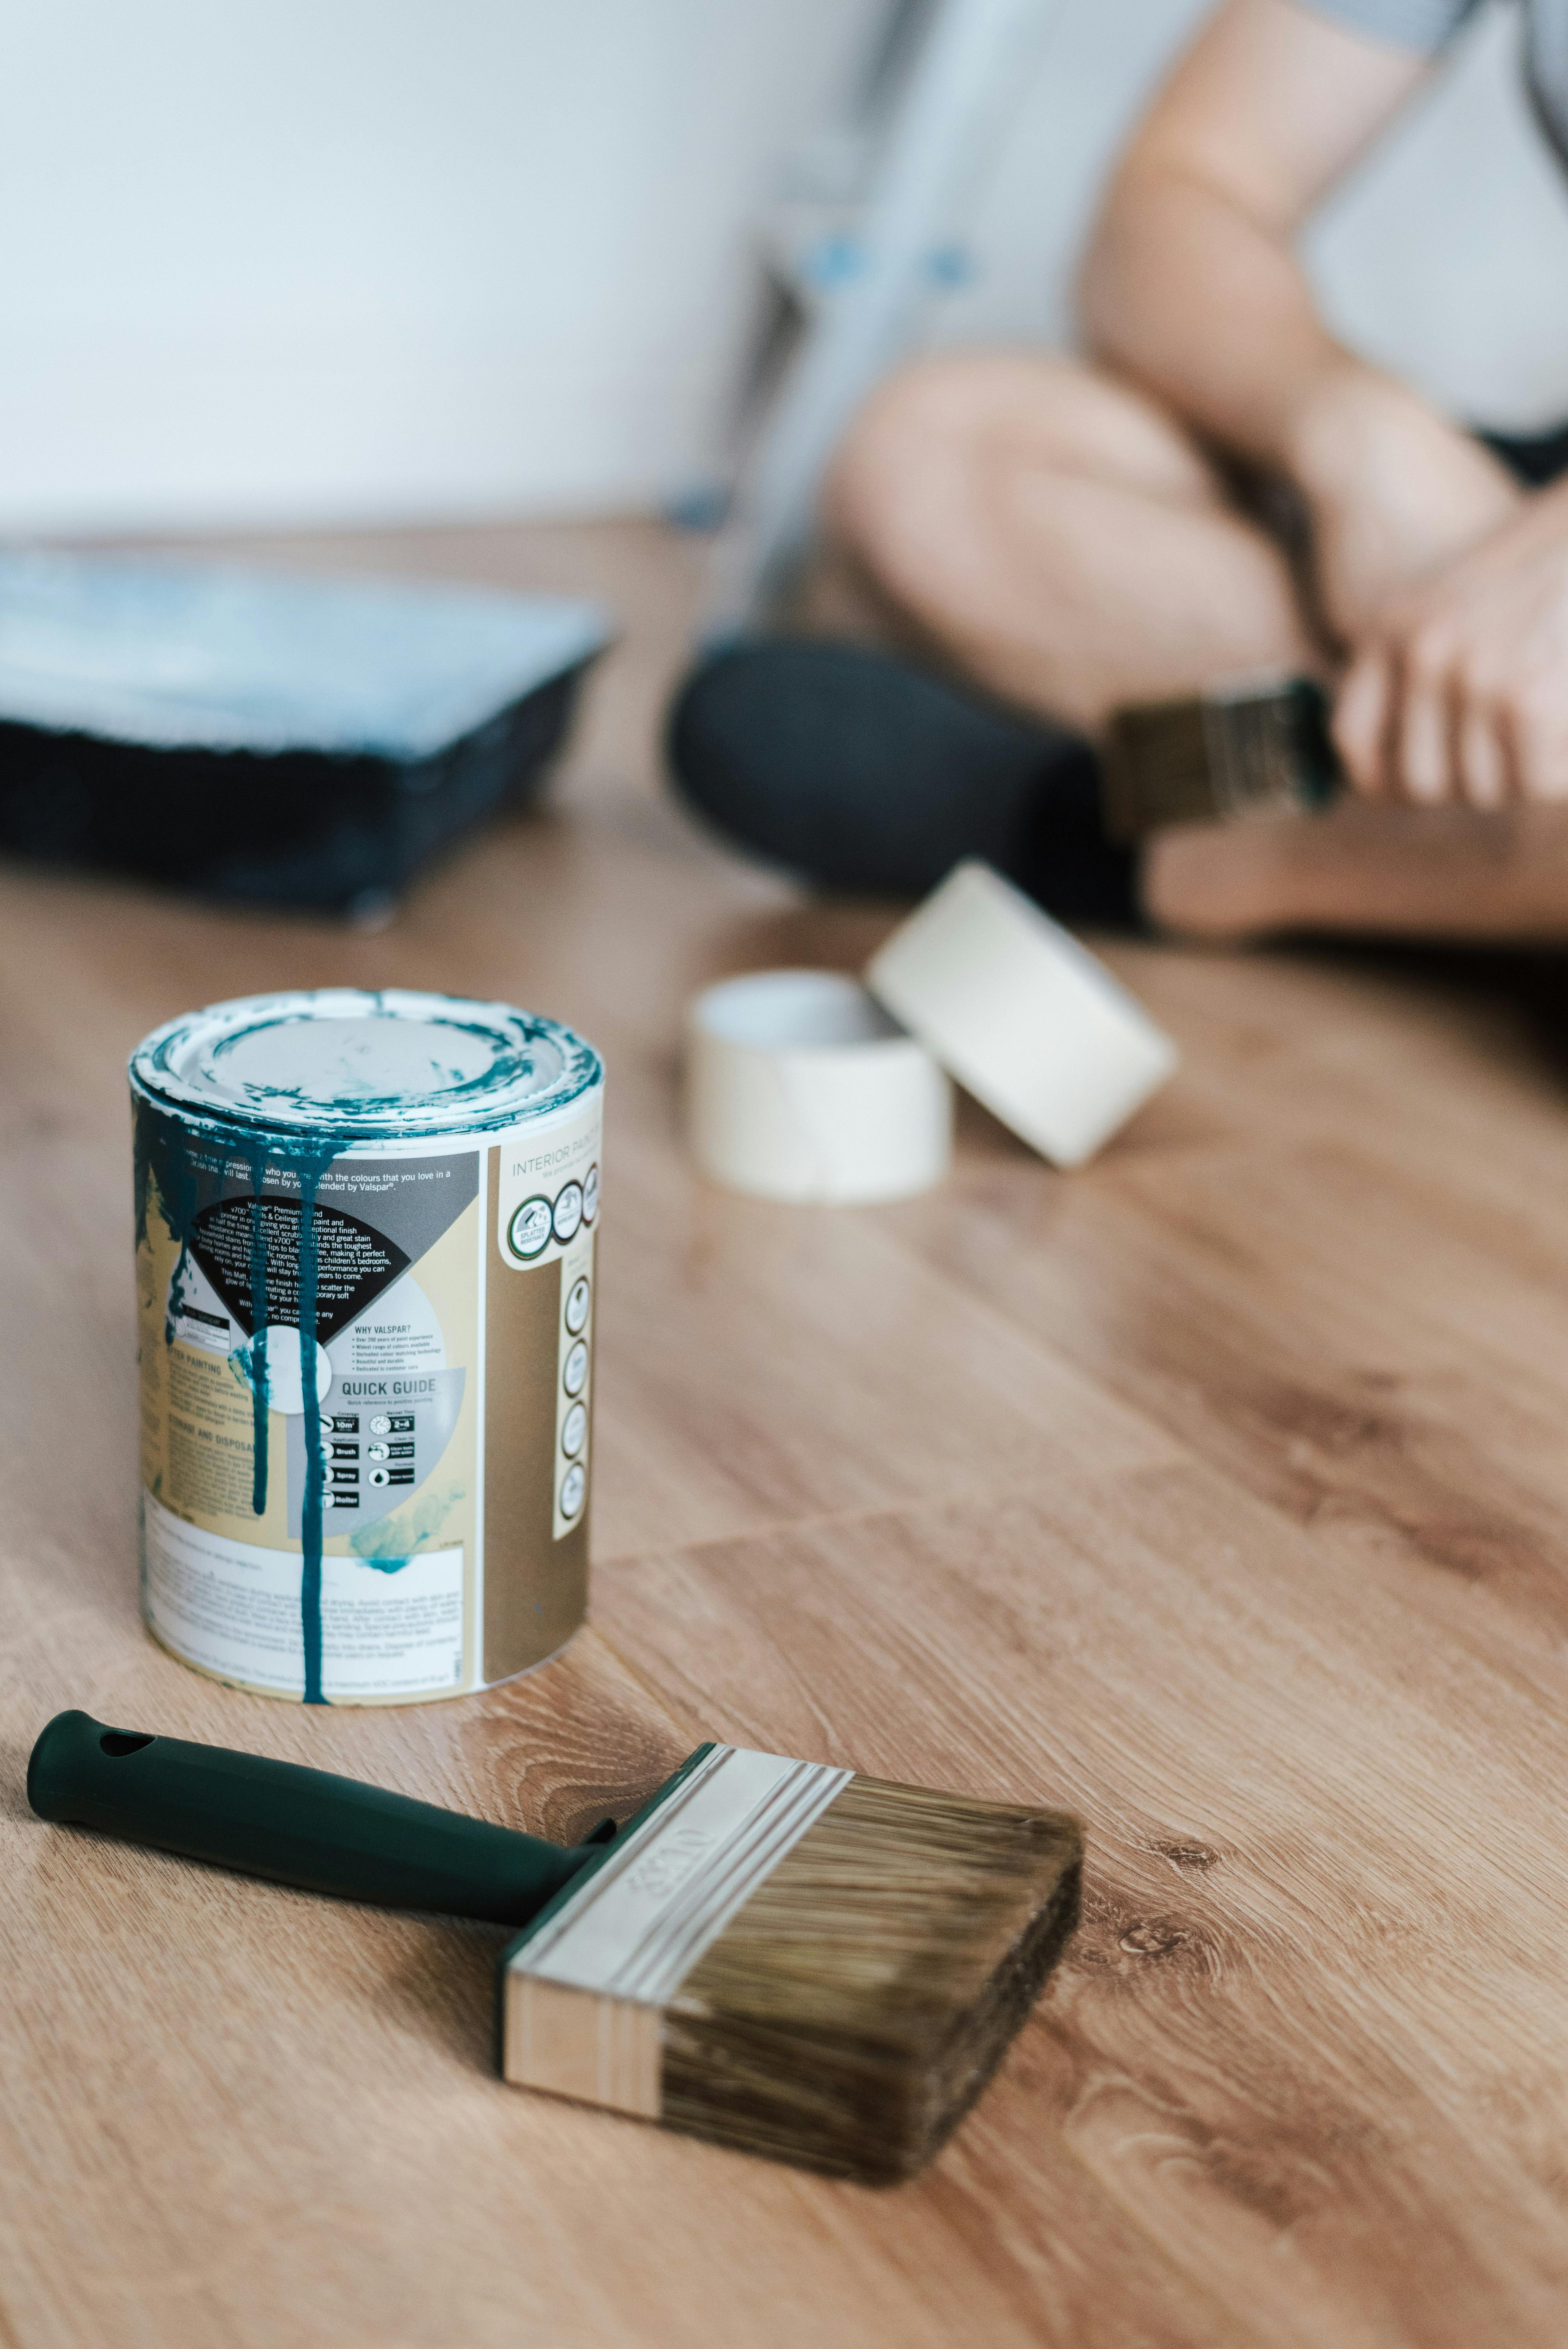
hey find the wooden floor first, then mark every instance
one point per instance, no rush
(1219, 1492)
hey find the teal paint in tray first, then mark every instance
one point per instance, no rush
(365, 1250)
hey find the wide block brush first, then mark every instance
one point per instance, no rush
(1259, 746)
(782, 1956)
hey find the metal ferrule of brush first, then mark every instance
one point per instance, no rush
(588, 1984)
(1268, 746)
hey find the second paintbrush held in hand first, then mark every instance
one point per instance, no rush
(1258, 746)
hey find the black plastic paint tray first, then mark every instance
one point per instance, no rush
(262, 737)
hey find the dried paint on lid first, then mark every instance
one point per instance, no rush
(360, 1066)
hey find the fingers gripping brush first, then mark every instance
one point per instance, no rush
(788, 1958)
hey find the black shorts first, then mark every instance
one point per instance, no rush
(1533, 458)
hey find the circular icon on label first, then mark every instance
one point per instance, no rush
(375, 1452)
(572, 1485)
(528, 1230)
(568, 1210)
(574, 1377)
(590, 1194)
(574, 1428)
(326, 1427)
(378, 1475)
(379, 1426)
(577, 1308)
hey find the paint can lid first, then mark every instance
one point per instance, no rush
(360, 1066)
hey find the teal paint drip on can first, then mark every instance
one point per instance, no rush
(366, 1233)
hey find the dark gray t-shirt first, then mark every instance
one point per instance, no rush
(1426, 25)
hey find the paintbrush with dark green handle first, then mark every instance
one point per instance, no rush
(781, 1955)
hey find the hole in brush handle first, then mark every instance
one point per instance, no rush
(117, 1741)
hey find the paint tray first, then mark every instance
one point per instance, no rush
(260, 737)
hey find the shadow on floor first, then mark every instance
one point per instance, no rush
(1526, 985)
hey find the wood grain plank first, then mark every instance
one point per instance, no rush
(1215, 1491)
(1329, 1335)
(703, 1432)
(1312, 2032)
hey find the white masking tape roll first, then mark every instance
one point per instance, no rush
(798, 1086)
(1022, 1015)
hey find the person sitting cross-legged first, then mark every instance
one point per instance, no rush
(1219, 487)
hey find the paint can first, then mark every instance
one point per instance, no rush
(366, 1227)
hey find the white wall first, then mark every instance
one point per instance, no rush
(1448, 257)
(301, 258)
(371, 258)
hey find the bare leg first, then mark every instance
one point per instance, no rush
(1065, 544)
(1060, 537)
(1369, 867)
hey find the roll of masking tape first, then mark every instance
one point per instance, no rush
(1023, 1017)
(800, 1086)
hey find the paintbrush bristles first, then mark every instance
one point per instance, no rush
(1155, 769)
(853, 2011)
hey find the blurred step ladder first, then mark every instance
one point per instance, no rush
(865, 238)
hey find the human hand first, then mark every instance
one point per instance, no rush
(1459, 689)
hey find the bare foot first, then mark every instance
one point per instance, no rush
(1371, 868)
